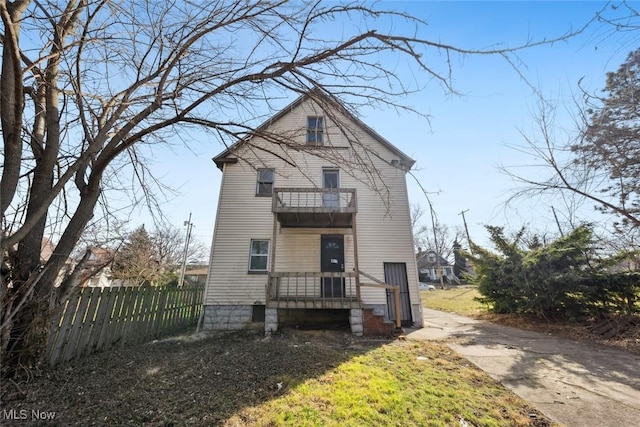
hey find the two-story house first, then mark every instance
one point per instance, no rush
(431, 267)
(313, 217)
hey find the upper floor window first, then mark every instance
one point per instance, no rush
(264, 186)
(315, 128)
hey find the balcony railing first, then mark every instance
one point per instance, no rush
(315, 207)
(312, 290)
(315, 200)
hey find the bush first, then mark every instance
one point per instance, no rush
(564, 278)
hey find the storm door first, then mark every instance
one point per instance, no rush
(395, 273)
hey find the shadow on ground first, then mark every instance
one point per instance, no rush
(592, 363)
(196, 380)
(576, 383)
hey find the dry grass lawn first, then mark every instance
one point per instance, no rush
(313, 378)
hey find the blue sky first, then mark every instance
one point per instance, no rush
(459, 150)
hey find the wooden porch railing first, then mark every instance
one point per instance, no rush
(312, 290)
(381, 284)
(323, 290)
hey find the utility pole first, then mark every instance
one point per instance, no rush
(557, 222)
(435, 242)
(186, 251)
(466, 229)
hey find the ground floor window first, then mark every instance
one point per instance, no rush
(259, 255)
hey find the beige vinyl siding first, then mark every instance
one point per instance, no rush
(384, 231)
(298, 249)
(241, 217)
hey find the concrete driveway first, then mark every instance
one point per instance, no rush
(573, 383)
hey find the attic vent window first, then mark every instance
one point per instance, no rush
(315, 128)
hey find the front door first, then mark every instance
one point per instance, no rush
(395, 273)
(332, 260)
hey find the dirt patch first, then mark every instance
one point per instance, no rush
(190, 380)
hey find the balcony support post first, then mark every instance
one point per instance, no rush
(272, 263)
(273, 243)
(356, 267)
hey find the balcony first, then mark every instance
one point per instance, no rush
(312, 290)
(315, 207)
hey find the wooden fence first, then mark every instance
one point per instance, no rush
(95, 319)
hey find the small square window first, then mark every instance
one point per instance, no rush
(259, 255)
(264, 185)
(315, 128)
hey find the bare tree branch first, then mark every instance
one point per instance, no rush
(112, 79)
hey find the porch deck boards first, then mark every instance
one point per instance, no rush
(314, 302)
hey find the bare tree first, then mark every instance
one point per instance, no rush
(420, 239)
(443, 239)
(153, 257)
(88, 86)
(440, 239)
(598, 162)
(169, 242)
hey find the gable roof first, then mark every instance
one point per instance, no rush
(314, 94)
(422, 259)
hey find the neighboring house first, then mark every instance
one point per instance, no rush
(285, 242)
(196, 274)
(96, 271)
(46, 250)
(432, 266)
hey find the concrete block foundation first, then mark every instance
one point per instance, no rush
(270, 320)
(355, 320)
(226, 317)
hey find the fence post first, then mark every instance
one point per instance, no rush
(146, 316)
(162, 301)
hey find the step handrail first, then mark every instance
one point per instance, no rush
(381, 284)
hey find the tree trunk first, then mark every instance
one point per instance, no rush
(28, 333)
(12, 95)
